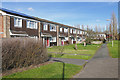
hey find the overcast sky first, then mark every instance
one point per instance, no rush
(69, 13)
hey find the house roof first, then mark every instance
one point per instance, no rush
(36, 18)
(44, 20)
(15, 13)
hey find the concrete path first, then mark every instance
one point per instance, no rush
(71, 61)
(100, 66)
(72, 54)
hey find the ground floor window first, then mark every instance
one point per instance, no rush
(53, 39)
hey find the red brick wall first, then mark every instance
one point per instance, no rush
(1, 25)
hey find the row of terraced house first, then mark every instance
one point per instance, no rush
(15, 24)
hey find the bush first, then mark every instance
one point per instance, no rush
(22, 52)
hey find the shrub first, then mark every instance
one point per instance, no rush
(22, 52)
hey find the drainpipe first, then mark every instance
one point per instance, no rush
(57, 35)
(69, 35)
(39, 33)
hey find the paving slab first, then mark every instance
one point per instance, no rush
(100, 66)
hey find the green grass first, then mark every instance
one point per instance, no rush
(85, 57)
(53, 70)
(113, 50)
(69, 49)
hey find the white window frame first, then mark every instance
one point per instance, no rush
(61, 29)
(45, 27)
(80, 32)
(77, 31)
(65, 30)
(16, 22)
(53, 39)
(71, 30)
(74, 31)
(32, 24)
(54, 27)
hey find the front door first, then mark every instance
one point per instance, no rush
(48, 42)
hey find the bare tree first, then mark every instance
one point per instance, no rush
(114, 26)
(110, 29)
(91, 35)
(96, 29)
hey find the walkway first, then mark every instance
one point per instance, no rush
(100, 66)
(70, 61)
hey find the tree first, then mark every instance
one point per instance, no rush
(114, 26)
(91, 35)
(96, 29)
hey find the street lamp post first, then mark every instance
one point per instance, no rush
(112, 32)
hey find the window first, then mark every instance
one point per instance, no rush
(78, 32)
(60, 29)
(83, 32)
(52, 27)
(74, 31)
(31, 24)
(17, 22)
(45, 27)
(70, 30)
(53, 39)
(66, 38)
(65, 30)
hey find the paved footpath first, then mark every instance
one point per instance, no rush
(100, 66)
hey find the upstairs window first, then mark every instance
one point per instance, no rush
(17, 22)
(52, 27)
(61, 29)
(31, 24)
(74, 31)
(70, 30)
(83, 32)
(45, 26)
(78, 32)
(65, 30)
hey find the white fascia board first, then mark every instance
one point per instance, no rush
(4, 13)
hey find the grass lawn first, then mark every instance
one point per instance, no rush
(53, 70)
(113, 50)
(69, 49)
(85, 57)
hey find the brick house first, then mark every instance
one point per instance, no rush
(15, 24)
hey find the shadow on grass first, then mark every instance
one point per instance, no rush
(63, 73)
